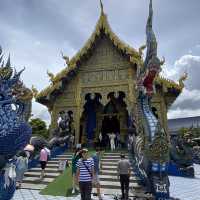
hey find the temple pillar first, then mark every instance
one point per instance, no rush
(78, 111)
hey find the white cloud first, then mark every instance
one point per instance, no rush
(35, 34)
(190, 51)
(188, 103)
(188, 95)
(40, 111)
(180, 113)
(37, 43)
(197, 46)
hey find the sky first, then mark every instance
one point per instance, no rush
(36, 31)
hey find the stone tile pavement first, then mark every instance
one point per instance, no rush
(186, 188)
(25, 194)
(182, 188)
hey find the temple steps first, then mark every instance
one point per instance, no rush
(47, 170)
(109, 181)
(33, 186)
(139, 194)
(112, 172)
(37, 174)
(116, 185)
(110, 167)
(32, 177)
(110, 160)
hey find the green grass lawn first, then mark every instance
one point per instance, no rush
(62, 185)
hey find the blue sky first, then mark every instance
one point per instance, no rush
(35, 31)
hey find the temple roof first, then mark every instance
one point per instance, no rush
(102, 27)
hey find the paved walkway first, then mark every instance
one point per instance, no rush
(186, 188)
(182, 188)
(25, 194)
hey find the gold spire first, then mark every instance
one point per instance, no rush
(101, 4)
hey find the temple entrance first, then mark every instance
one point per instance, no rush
(99, 120)
(110, 124)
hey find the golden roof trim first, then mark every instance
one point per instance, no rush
(135, 57)
(159, 80)
(168, 83)
(102, 24)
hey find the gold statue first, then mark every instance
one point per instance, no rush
(34, 91)
(66, 58)
(51, 76)
(162, 62)
(101, 6)
(141, 49)
(182, 79)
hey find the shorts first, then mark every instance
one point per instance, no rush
(43, 164)
(95, 179)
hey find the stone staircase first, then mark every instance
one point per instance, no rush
(32, 177)
(109, 182)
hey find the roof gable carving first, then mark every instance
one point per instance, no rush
(102, 27)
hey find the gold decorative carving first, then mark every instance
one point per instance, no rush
(104, 91)
(93, 77)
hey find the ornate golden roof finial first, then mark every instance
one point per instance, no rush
(51, 77)
(65, 58)
(141, 49)
(182, 79)
(101, 4)
(34, 91)
(162, 62)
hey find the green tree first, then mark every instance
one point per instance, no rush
(39, 127)
(183, 131)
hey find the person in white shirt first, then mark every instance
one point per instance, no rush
(130, 142)
(112, 141)
(100, 138)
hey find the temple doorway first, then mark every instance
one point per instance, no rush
(110, 124)
(99, 120)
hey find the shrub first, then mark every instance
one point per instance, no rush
(39, 127)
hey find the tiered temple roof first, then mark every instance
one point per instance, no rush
(68, 73)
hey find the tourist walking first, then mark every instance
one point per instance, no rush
(75, 158)
(117, 140)
(71, 142)
(130, 141)
(84, 175)
(100, 139)
(43, 161)
(21, 167)
(96, 181)
(112, 141)
(124, 173)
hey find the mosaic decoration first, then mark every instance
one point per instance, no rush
(59, 136)
(15, 109)
(153, 151)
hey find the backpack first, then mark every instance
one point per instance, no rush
(22, 164)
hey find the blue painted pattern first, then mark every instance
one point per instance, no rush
(14, 131)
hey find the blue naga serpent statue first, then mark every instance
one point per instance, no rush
(15, 108)
(152, 144)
